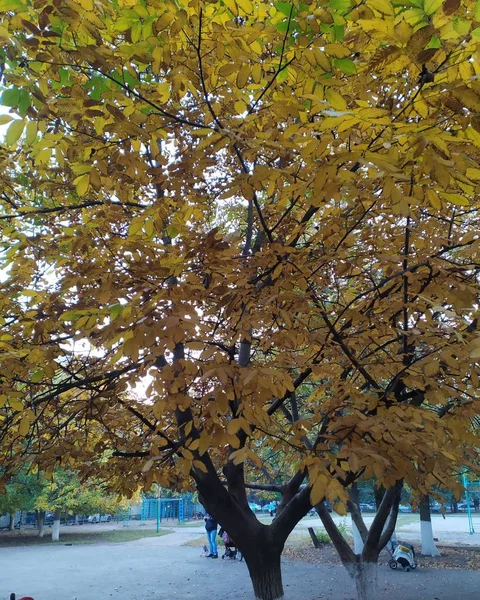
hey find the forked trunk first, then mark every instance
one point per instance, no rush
(265, 572)
(365, 575)
(56, 526)
(41, 523)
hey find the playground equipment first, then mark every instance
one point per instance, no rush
(470, 488)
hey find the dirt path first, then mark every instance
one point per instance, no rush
(157, 568)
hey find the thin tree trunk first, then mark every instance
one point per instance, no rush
(56, 526)
(41, 523)
(429, 547)
(359, 530)
(265, 572)
(357, 539)
(11, 525)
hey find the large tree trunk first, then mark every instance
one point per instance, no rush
(41, 522)
(428, 543)
(365, 575)
(263, 563)
(11, 525)
(56, 526)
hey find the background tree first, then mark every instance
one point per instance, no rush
(217, 203)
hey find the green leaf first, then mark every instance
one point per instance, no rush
(476, 11)
(461, 26)
(345, 65)
(6, 5)
(10, 97)
(285, 8)
(171, 231)
(115, 311)
(14, 132)
(37, 376)
(23, 102)
(340, 5)
(431, 6)
(338, 33)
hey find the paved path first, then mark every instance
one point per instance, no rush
(158, 569)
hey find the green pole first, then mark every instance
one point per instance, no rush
(158, 508)
(467, 498)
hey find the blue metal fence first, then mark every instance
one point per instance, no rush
(181, 509)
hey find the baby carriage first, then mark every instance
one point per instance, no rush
(231, 550)
(403, 554)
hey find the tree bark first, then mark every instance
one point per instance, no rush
(359, 529)
(365, 575)
(429, 547)
(11, 525)
(41, 522)
(263, 562)
(56, 526)
(357, 539)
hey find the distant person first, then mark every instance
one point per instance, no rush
(211, 527)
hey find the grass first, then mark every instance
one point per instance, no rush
(191, 524)
(29, 538)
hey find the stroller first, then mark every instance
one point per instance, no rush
(231, 550)
(403, 554)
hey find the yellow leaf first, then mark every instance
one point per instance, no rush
(147, 466)
(82, 183)
(246, 6)
(403, 32)
(199, 465)
(337, 50)
(473, 174)
(4, 119)
(15, 404)
(242, 76)
(257, 73)
(163, 90)
(335, 100)
(455, 199)
(232, 6)
(434, 199)
(136, 31)
(24, 426)
(31, 132)
(317, 493)
(322, 59)
(383, 6)
(14, 132)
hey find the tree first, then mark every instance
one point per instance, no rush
(267, 216)
(65, 494)
(22, 491)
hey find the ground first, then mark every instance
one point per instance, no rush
(164, 568)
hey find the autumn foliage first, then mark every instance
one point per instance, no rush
(236, 224)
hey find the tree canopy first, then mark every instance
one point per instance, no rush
(241, 223)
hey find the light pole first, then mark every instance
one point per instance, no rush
(159, 490)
